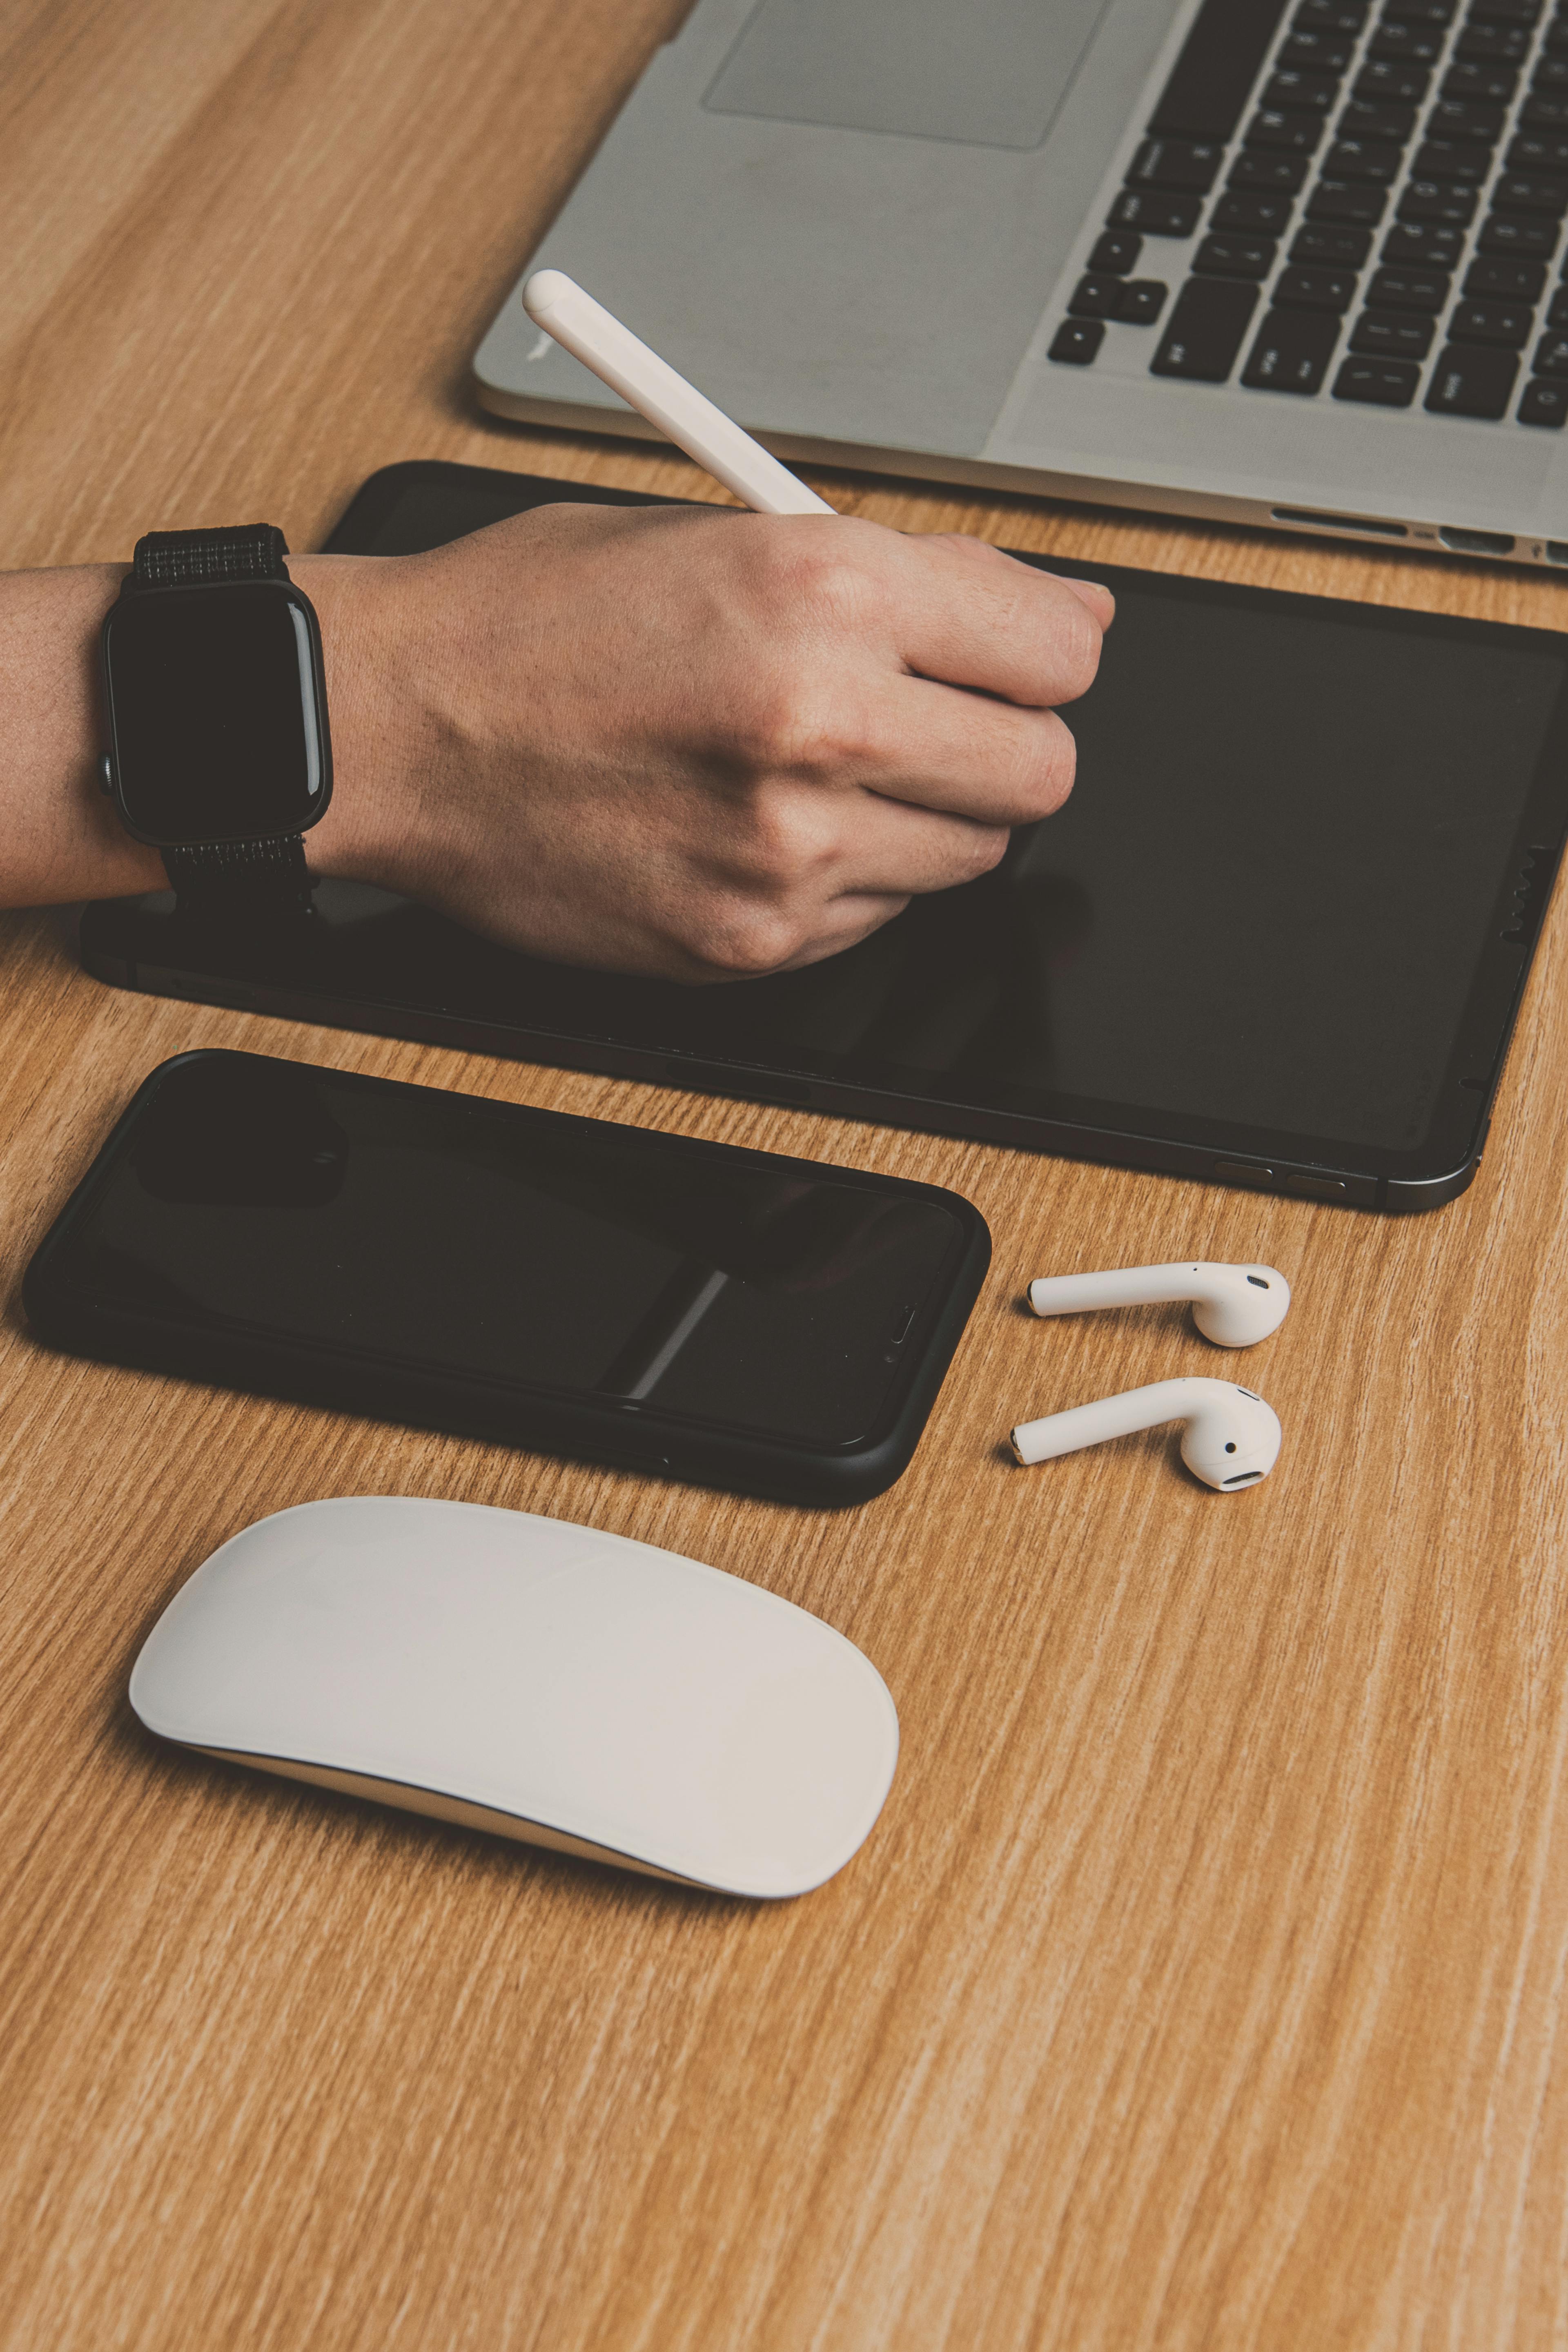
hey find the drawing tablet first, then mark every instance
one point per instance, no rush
(1277, 937)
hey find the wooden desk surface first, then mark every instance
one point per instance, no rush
(1201, 1984)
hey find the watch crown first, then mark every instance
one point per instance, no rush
(106, 775)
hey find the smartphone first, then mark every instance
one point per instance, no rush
(692, 1310)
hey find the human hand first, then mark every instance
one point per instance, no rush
(689, 741)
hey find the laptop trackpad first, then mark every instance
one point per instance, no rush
(990, 73)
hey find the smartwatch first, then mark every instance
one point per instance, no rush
(218, 750)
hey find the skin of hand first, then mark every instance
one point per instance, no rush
(691, 742)
(684, 742)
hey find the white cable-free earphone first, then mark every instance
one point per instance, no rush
(1231, 1438)
(1234, 1306)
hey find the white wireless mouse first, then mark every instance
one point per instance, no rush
(568, 1688)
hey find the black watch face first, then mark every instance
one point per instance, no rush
(214, 713)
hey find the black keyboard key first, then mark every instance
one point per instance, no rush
(1359, 118)
(1556, 42)
(1115, 254)
(1315, 289)
(1420, 12)
(1437, 200)
(1394, 85)
(1381, 383)
(1552, 355)
(1408, 45)
(1550, 79)
(1140, 302)
(1094, 298)
(1515, 193)
(1493, 84)
(1538, 151)
(1505, 12)
(1426, 242)
(1212, 79)
(1545, 113)
(1289, 130)
(1270, 174)
(1519, 280)
(1360, 202)
(1543, 403)
(1452, 159)
(1310, 93)
(1316, 53)
(1267, 216)
(1393, 335)
(1204, 331)
(1500, 44)
(1511, 234)
(1330, 15)
(1466, 117)
(1409, 289)
(1154, 214)
(1471, 379)
(1508, 324)
(1234, 257)
(1177, 163)
(1334, 248)
(1361, 159)
(1557, 316)
(1076, 342)
(1292, 351)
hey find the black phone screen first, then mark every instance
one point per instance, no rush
(517, 1249)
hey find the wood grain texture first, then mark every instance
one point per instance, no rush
(1201, 1985)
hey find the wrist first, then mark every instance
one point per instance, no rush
(370, 832)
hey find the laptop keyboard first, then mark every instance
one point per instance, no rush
(1378, 195)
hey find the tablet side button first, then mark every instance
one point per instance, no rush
(1238, 1171)
(1320, 1187)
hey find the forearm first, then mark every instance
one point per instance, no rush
(59, 836)
(669, 740)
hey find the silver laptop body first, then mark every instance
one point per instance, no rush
(862, 227)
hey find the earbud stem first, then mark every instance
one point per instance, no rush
(1127, 1285)
(1092, 1424)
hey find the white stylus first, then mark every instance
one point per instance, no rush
(650, 385)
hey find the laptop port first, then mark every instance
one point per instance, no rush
(1557, 551)
(1339, 523)
(1476, 542)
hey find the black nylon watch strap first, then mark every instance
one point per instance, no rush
(230, 880)
(234, 882)
(175, 558)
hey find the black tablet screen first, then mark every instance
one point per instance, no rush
(1265, 901)
(1262, 911)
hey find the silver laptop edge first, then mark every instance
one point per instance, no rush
(883, 295)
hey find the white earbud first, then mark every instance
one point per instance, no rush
(1231, 1438)
(1234, 1306)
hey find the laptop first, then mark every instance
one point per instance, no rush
(1278, 262)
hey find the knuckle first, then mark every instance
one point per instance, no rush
(737, 937)
(764, 725)
(795, 725)
(1074, 649)
(1037, 774)
(775, 847)
(820, 571)
(1051, 765)
(986, 850)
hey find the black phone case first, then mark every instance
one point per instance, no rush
(66, 1316)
